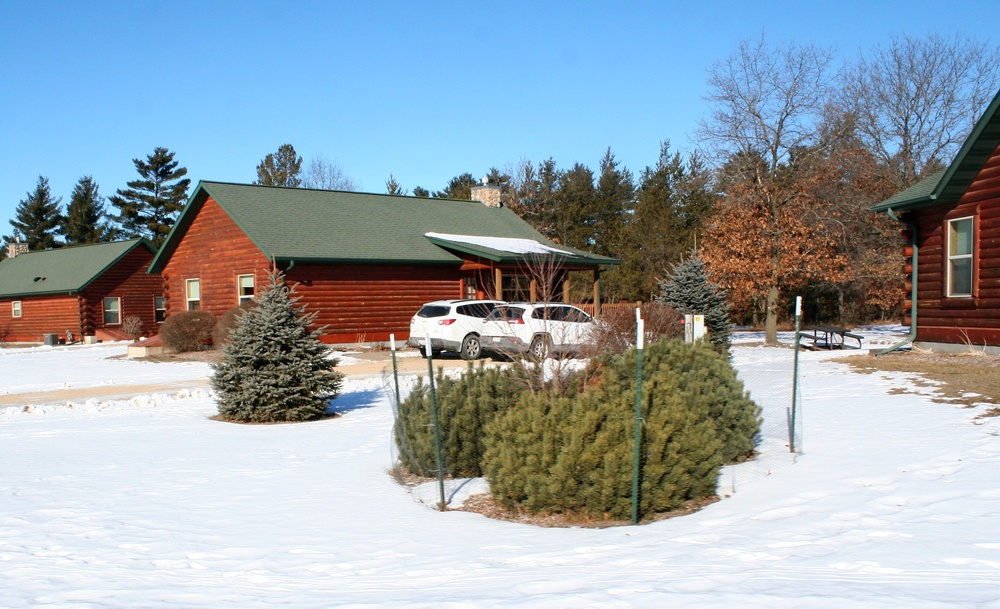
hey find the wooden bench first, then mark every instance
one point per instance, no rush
(828, 337)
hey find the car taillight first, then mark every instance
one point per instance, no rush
(446, 322)
(517, 320)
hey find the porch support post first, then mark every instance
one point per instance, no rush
(566, 293)
(533, 290)
(597, 292)
(498, 283)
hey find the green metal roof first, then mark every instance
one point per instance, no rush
(330, 226)
(63, 270)
(949, 185)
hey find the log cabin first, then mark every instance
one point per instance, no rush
(952, 254)
(78, 291)
(362, 263)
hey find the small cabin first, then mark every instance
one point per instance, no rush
(952, 228)
(70, 293)
(363, 263)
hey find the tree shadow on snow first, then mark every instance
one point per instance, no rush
(355, 400)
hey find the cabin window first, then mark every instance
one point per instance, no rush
(159, 309)
(15, 308)
(193, 294)
(244, 288)
(960, 257)
(112, 311)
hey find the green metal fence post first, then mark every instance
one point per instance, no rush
(636, 457)
(795, 375)
(437, 425)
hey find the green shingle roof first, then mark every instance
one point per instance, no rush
(62, 270)
(307, 225)
(949, 185)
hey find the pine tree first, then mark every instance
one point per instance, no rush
(573, 211)
(84, 221)
(614, 204)
(38, 218)
(688, 290)
(459, 187)
(280, 168)
(150, 205)
(392, 187)
(274, 368)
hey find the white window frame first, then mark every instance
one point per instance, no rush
(15, 309)
(954, 257)
(192, 304)
(116, 309)
(159, 308)
(240, 296)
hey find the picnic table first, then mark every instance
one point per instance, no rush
(828, 337)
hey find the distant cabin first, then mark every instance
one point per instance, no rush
(78, 291)
(952, 222)
(364, 263)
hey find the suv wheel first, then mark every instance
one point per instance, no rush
(539, 348)
(471, 348)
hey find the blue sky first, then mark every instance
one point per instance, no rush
(422, 90)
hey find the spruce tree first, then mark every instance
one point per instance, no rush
(38, 219)
(84, 221)
(274, 368)
(150, 205)
(688, 290)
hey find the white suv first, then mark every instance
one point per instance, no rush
(452, 325)
(538, 329)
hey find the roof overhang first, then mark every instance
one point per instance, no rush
(517, 251)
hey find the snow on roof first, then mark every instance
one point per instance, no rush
(504, 244)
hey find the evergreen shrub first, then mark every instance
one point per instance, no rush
(465, 406)
(688, 289)
(573, 453)
(187, 331)
(274, 368)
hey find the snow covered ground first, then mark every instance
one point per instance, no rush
(146, 502)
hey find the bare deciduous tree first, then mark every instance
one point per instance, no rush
(324, 174)
(767, 103)
(916, 99)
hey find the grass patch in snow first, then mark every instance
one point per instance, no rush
(957, 378)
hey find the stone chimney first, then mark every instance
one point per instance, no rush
(13, 249)
(487, 194)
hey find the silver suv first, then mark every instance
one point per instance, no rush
(452, 325)
(537, 329)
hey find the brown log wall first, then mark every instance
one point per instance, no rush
(215, 251)
(40, 315)
(961, 319)
(367, 303)
(128, 281)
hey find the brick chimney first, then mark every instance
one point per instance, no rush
(487, 194)
(13, 249)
